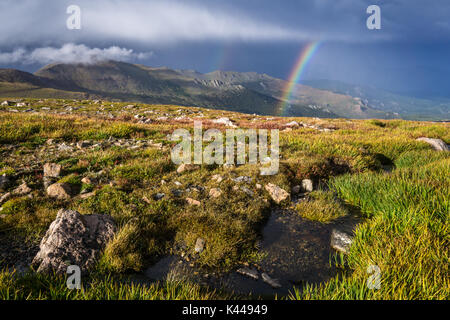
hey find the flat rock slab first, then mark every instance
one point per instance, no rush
(73, 239)
(437, 144)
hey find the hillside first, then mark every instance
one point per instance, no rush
(234, 91)
(348, 194)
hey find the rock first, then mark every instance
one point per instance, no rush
(4, 181)
(22, 190)
(159, 196)
(242, 179)
(225, 121)
(87, 180)
(272, 282)
(48, 181)
(73, 239)
(5, 197)
(258, 186)
(193, 202)
(437, 144)
(251, 273)
(186, 167)
(65, 147)
(52, 170)
(61, 191)
(215, 192)
(307, 185)
(217, 177)
(340, 240)
(199, 245)
(292, 124)
(6, 103)
(87, 195)
(278, 195)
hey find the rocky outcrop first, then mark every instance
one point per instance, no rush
(73, 239)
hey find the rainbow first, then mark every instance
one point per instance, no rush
(302, 61)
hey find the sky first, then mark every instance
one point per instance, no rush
(409, 54)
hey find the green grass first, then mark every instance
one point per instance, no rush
(405, 231)
(321, 206)
(34, 286)
(407, 235)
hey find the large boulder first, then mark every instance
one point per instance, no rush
(278, 194)
(437, 144)
(73, 239)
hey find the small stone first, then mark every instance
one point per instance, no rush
(22, 190)
(159, 196)
(278, 194)
(307, 185)
(272, 282)
(292, 124)
(340, 240)
(199, 245)
(61, 191)
(146, 200)
(5, 197)
(52, 170)
(258, 186)
(186, 167)
(242, 179)
(193, 202)
(215, 192)
(251, 273)
(217, 177)
(87, 180)
(87, 195)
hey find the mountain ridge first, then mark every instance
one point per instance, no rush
(248, 92)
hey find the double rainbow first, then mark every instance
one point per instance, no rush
(296, 74)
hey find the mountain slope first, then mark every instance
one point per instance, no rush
(409, 107)
(244, 92)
